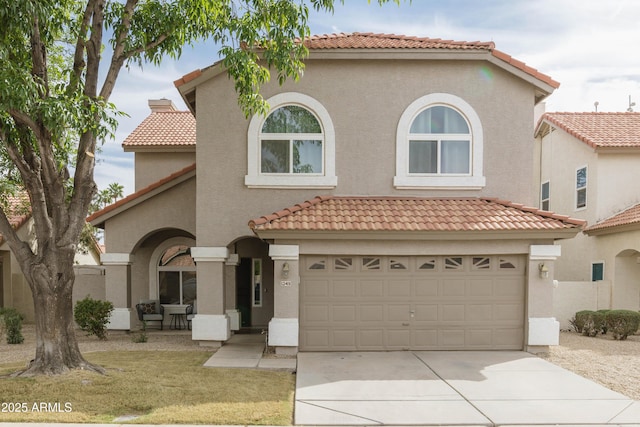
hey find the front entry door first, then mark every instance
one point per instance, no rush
(243, 291)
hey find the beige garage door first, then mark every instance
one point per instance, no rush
(411, 303)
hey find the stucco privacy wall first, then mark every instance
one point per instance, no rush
(365, 99)
(571, 297)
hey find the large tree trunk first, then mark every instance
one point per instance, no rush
(57, 348)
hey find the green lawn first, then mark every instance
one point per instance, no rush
(158, 387)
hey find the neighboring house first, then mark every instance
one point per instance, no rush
(14, 289)
(369, 210)
(589, 170)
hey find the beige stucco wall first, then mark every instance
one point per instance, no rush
(171, 209)
(89, 282)
(152, 167)
(561, 155)
(571, 297)
(365, 100)
(618, 178)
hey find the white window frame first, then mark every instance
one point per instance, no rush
(256, 179)
(577, 189)
(548, 199)
(404, 179)
(257, 275)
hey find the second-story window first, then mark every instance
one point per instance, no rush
(439, 143)
(544, 196)
(293, 146)
(291, 142)
(581, 188)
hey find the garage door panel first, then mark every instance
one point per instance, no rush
(427, 287)
(343, 313)
(316, 288)
(344, 338)
(344, 288)
(316, 313)
(509, 287)
(453, 312)
(399, 288)
(424, 339)
(398, 339)
(509, 311)
(451, 338)
(423, 303)
(453, 288)
(425, 312)
(479, 312)
(371, 339)
(479, 338)
(371, 312)
(481, 288)
(372, 288)
(398, 312)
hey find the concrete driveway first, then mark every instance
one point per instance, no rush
(470, 388)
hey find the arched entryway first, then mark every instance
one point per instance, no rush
(626, 285)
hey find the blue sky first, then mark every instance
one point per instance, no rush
(589, 46)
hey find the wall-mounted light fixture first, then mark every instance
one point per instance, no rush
(543, 270)
(285, 270)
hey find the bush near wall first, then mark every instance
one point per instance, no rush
(622, 323)
(11, 321)
(589, 323)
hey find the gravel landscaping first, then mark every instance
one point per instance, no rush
(614, 364)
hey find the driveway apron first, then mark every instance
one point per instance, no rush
(470, 388)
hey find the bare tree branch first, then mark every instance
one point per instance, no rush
(78, 54)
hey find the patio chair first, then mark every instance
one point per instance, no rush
(190, 315)
(150, 311)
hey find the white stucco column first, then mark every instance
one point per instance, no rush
(284, 327)
(542, 328)
(230, 291)
(210, 323)
(118, 289)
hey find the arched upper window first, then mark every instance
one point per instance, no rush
(177, 282)
(294, 146)
(291, 142)
(439, 144)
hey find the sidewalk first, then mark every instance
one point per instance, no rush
(247, 351)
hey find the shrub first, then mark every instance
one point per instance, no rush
(605, 328)
(588, 322)
(12, 323)
(623, 323)
(92, 316)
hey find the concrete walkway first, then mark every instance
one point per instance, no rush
(247, 351)
(451, 388)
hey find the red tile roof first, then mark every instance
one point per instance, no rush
(134, 196)
(611, 130)
(18, 211)
(393, 41)
(369, 213)
(389, 41)
(629, 216)
(167, 128)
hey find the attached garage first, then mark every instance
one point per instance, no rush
(360, 273)
(412, 303)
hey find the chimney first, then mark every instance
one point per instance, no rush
(161, 105)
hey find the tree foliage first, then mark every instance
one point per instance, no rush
(59, 63)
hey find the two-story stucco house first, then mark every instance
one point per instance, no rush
(379, 205)
(589, 170)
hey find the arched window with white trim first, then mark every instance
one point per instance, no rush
(177, 283)
(293, 146)
(439, 144)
